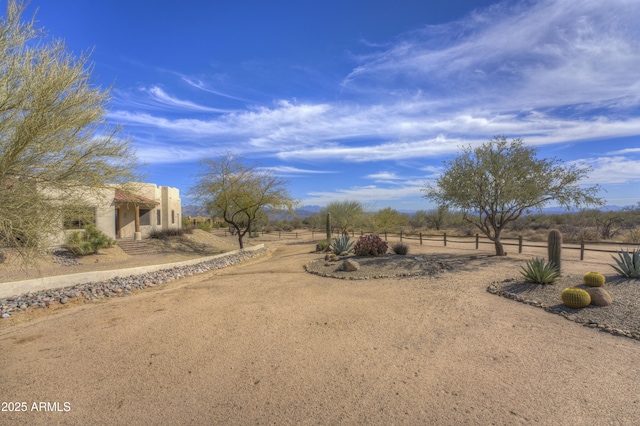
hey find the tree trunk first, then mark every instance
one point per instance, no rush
(499, 248)
(240, 240)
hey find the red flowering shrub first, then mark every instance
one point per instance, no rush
(370, 245)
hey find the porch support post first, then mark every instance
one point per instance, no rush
(138, 234)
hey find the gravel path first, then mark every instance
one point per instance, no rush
(120, 286)
(265, 342)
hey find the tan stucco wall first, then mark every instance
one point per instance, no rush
(102, 202)
(105, 212)
(169, 199)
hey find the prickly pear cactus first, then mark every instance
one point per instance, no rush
(554, 248)
(575, 298)
(594, 279)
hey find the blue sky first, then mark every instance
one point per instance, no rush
(364, 100)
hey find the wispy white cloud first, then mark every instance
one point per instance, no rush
(365, 194)
(550, 71)
(625, 151)
(289, 170)
(158, 95)
(611, 170)
(527, 55)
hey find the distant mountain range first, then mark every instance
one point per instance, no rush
(306, 211)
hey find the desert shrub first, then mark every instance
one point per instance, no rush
(370, 245)
(205, 226)
(539, 272)
(400, 248)
(323, 245)
(342, 244)
(166, 234)
(628, 263)
(88, 241)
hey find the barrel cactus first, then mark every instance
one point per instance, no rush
(575, 298)
(594, 279)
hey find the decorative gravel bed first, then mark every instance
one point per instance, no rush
(393, 266)
(622, 317)
(119, 286)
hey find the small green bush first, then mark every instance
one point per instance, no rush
(88, 242)
(205, 226)
(539, 272)
(342, 244)
(370, 245)
(400, 248)
(323, 245)
(628, 263)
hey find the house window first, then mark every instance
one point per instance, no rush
(173, 216)
(145, 217)
(158, 217)
(78, 217)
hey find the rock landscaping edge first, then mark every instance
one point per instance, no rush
(493, 288)
(119, 286)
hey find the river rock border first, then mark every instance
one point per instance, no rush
(493, 288)
(118, 286)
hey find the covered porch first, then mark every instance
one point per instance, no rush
(134, 215)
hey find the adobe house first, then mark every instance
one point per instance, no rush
(151, 208)
(131, 215)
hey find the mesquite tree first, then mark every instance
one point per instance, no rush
(495, 183)
(239, 193)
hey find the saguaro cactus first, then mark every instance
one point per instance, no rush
(329, 227)
(554, 247)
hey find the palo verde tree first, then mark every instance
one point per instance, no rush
(344, 214)
(494, 184)
(54, 140)
(239, 193)
(388, 219)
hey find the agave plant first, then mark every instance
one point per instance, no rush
(342, 244)
(628, 263)
(540, 272)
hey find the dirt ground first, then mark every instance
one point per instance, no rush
(267, 343)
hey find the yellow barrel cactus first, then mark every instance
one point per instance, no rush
(594, 279)
(575, 298)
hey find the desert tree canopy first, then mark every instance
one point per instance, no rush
(54, 139)
(239, 193)
(344, 214)
(497, 182)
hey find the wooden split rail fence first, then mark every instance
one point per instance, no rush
(421, 238)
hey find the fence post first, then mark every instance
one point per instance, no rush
(421, 238)
(312, 234)
(278, 234)
(296, 235)
(519, 243)
(361, 232)
(400, 235)
(582, 248)
(477, 241)
(445, 239)
(385, 235)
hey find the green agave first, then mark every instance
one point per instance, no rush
(342, 244)
(539, 272)
(628, 263)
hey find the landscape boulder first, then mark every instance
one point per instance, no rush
(350, 265)
(599, 296)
